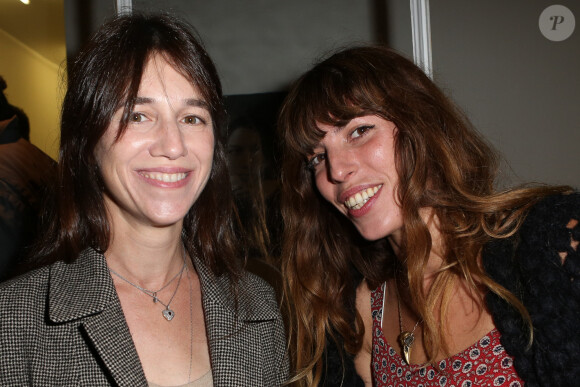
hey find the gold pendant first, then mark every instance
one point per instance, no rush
(406, 340)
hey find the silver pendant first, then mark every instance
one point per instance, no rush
(168, 314)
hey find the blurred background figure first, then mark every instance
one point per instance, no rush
(254, 176)
(25, 173)
(246, 165)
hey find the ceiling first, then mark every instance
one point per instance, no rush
(39, 25)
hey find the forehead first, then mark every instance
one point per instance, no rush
(161, 75)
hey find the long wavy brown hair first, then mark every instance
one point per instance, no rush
(442, 164)
(104, 77)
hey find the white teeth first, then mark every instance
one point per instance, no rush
(359, 199)
(165, 177)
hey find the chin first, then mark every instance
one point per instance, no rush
(167, 219)
(371, 235)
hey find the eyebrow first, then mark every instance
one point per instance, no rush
(188, 101)
(339, 129)
(335, 130)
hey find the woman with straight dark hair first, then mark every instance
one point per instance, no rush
(401, 260)
(145, 284)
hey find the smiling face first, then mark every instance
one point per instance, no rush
(160, 165)
(354, 169)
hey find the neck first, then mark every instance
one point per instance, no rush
(149, 258)
(435, 260)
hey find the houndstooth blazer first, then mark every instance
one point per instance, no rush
(63, 325)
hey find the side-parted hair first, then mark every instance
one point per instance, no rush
(103, 78)
(442, 163)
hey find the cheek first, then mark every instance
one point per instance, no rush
(209, 150)
(202, 149)
(102, 156)
(382, 157)
(108, 168)
(103, 146)
(202, 144)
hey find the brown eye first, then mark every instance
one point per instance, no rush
(192, 120)
(361, 130)
(316, 160)
(136, 117)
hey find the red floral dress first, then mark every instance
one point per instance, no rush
(485, 363)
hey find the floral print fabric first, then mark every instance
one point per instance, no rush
(486, 363)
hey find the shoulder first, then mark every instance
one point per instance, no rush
(23, 303)
(56, 287)
(551, 232)
(539, 266)
(253, 281)
(545, 248)
(246, 294)
(30, 287)
(549, 227)
(260, 312)
(256, 293)
(552, 212)
(25, 287)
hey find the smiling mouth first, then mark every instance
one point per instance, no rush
(164, 177)
(359, 199)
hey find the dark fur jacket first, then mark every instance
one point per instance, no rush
(541, 266)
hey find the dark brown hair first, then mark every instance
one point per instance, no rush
(442, 163)
(103, 78)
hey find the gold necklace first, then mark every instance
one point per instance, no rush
(406, 339)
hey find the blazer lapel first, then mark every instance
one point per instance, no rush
(84, 291)
(235, 346)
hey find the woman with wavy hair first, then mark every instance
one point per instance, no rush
(145, 285)
(401, 260)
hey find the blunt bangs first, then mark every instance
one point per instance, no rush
(332, 93)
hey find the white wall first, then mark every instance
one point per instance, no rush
(521, 90)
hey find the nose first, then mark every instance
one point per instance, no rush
(168, 141)
(341, 165)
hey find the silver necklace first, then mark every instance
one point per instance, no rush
(190, 328)
(406, 339)
(167, 313)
